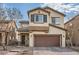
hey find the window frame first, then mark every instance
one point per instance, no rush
(55, 20)
(35, 18)
(38, 22)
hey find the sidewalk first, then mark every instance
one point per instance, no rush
(15, 50)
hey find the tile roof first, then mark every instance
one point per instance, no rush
(23, 30)
(5, 21)
(27, 22)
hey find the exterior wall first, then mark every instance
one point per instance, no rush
(52, 14)
(7, 26)
(52, 30)
(37, 12)
(18, 37)
(3, 26)
(24, 25)
(55, 14)
(75, 29)
(11, 25)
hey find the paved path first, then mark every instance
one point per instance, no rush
(12, 50)
(15, 50)
(54, 51)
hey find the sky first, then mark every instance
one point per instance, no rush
(69, 9)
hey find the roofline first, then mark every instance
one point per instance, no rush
(71, 19)
(54, 10)
(58, 27)
(37, 9)
(23, 21)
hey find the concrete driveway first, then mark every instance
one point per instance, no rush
(53, 51)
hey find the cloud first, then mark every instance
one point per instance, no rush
(69, 9)
(63, 6)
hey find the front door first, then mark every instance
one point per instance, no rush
(23, 40)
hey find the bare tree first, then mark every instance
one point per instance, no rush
(69, 35)
(11, 14)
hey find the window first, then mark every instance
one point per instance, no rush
(55, 20)
(38, 18)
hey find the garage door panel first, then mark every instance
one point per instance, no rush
(46, 40)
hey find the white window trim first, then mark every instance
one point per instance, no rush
(56, 20)
(38, 21)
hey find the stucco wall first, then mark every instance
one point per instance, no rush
(23, 25)
(52, 30)
(55, 14)
(38, 12)
(52, 14)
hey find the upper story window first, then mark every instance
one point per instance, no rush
(38, 18)
(55, 20)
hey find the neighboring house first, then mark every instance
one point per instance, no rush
(7, 31)
(73, 26)
(44, 29)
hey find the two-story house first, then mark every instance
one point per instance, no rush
(45, 28)
(7, 31)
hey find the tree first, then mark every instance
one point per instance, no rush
(12, 14)
(69, 35)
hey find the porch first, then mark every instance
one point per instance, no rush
(23, 39)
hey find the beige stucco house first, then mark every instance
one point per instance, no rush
(7, 31)
(72, 26)
(45, 28)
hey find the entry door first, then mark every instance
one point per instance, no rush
(23, 40)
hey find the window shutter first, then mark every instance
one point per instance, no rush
(32, 18)
(45, 18)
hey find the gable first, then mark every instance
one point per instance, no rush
(53, 10)
(39, 11)
(13, 24)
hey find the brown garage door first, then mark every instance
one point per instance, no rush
(46, 40)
